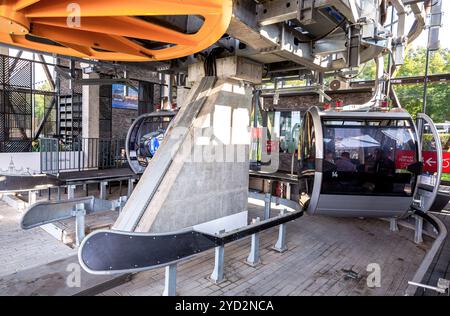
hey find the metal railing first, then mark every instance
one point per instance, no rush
(80, 155)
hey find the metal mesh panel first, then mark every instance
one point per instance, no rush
(17, 98)
(19, 72)
(16, 104)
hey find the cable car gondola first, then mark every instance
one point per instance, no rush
(144, 137)
(368, 164)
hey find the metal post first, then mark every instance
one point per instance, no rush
(71, 192)
(218, 276)
(288, 191)
(59, 193)
(393, 223)
(170, 288)
(130, 186)
(418, 239)
(80, 223)
(253, 258)
(280, 246)
(122, 201)
(32, 195)
(267, 205)
(103, 191)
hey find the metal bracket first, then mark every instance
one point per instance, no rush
(443, 286)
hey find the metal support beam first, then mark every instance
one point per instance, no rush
(254, 258)
(218, 275)
(170, 288)
(47, 71)
(16, 60)
(47, 113)
(279, 11)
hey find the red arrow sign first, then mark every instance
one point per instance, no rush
(430, 162)
(446, 163)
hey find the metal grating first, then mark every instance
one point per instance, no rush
(17, 99)
(16, 104)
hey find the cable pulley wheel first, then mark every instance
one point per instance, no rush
(118, 30)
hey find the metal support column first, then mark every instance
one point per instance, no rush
(80, 223)
(130, 187)
(267, 205)
(253, 258)
(218, 276)
(122, 201)
(288, 191)
(393, 223)
(418, 239)
(103, 190)
(170, 288)
(71, 192)
(280, 246)
(32, 195)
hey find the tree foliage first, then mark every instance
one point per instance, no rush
(411, 96)
(438, 98)
(39, 101)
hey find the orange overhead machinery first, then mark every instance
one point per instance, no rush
(119, 30)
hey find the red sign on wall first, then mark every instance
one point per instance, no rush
(430, 162)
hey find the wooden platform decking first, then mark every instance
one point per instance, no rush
(321, 252)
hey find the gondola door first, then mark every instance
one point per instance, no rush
(310, 160)
(430, 152)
